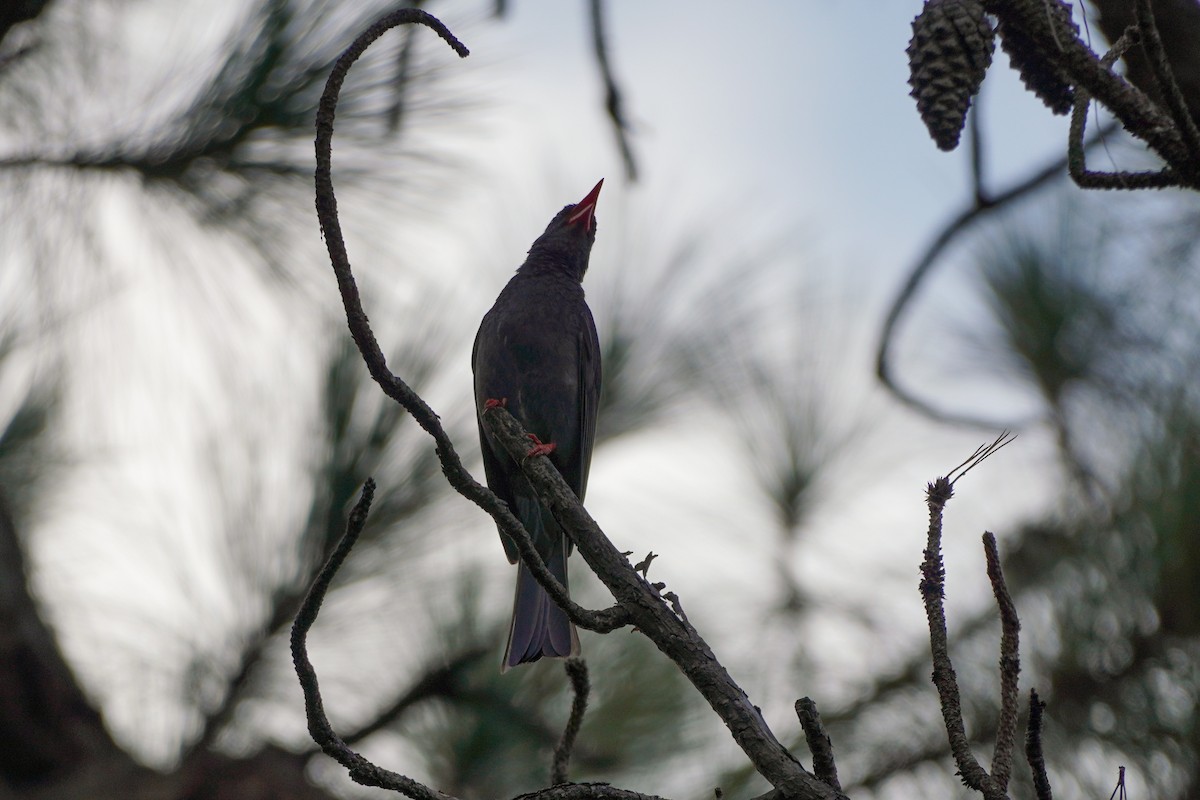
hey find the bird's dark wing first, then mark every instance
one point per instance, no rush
(589, 399)
(495, 470)
(576, 472)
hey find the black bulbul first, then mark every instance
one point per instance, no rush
(537, 353)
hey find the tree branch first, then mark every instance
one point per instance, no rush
(655, 618)
(1178, 22)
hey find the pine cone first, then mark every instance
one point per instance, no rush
(1038, 73)
(948, 55)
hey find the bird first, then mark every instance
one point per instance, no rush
(537, 354)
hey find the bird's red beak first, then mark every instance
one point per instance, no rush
(585, 209)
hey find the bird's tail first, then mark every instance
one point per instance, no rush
(539, 627)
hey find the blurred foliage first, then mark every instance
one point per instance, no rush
(1050, 317)
(229, 139)
(368, 435)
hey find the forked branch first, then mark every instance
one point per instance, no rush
(993, 785)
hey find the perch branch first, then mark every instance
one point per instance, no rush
(656, 619)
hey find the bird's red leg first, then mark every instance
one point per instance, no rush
(540, 448)
(492, 402)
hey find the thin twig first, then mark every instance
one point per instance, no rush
(1076, 156)
(992, 786)
(361, 771)
(1118, 792)
(981, 454)
(933, 592)
(1033, 748)
(1010, 667)
(612, 93)
(308, 615)
(577, 671)
(819, 743)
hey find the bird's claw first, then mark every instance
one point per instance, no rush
(540, 448)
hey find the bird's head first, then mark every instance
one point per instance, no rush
(567, 241)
